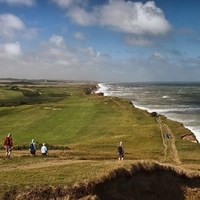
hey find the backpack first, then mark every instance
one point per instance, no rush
(7, 141)
(32, 148)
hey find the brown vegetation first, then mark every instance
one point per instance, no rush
(145, 180)
(190, 136)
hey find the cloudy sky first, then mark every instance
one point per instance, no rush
(102, 40)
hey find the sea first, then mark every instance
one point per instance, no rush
(177, 101)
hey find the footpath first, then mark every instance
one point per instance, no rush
(170, 152)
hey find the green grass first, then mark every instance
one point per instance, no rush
(188, 151)
(87, 123)
(90, 125)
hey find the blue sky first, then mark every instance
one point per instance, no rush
(100, 40)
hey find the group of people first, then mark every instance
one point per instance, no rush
(33, 147)
(8, 145)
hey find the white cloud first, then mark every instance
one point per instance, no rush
(79, 36)
(137, 41)
(125, 16)
(68, 3)
(82, 17)
(55, 59)
(56, 40)
(158, 56)
(55, 52)
(19, 2)
(11, 49)
(63, 3)
(91, 52)
(10, 25)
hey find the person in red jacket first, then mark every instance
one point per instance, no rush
(8, 144)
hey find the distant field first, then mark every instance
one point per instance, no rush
(87, 128)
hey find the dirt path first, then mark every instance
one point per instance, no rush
(46, 163)
(170, 151)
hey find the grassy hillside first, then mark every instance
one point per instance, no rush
(87, 128)
(187, 151)
(85, 123)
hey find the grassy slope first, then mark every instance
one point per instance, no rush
(188, 151)
(92, 126)
(85, 123)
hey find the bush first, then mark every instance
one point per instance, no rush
(15, 88)
(29, 93)
(89, 90)
(154, 114)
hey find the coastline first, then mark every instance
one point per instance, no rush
(102, 90)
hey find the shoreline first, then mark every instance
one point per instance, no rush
(101, 90)
(184, 136)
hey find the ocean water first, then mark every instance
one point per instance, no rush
(177, 101)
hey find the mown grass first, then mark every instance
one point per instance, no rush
(84, 122)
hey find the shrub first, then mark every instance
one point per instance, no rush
(29, 93)
(15, 88)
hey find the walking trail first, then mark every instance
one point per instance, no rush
(170, 151)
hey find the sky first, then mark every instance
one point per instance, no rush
(100, 40)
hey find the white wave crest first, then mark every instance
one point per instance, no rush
(165, 97)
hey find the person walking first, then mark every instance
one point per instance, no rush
(32, 147)
(120, 150)
(44, 150)
(8, 144)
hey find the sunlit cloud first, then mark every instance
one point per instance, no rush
(125, 16)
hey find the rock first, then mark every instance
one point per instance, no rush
(100, 93)
(154, 114)
(189, 137)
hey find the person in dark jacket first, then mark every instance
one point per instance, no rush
(120, 150)
(32, 147)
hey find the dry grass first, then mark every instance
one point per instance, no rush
(144, 180)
